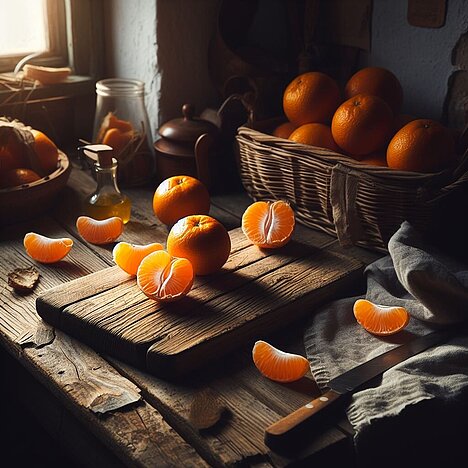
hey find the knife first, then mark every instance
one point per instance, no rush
(342, 387)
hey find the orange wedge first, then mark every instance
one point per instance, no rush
(129, 256)
(99, 231)
(278, 365)
(379, 319)
(164, 278)
(46, 250)
(268, 224)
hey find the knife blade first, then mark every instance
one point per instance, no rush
(342, 387)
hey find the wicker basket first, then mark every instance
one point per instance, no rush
(359, 204)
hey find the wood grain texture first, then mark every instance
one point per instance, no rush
(256, 290)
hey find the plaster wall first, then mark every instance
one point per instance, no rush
(420, 57)
(131, 47)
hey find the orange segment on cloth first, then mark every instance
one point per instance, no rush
(379, 319)
(163, 277)
(45, 249)
(278, 365)
(99, 231)
(129, 256)
(203, 240)
(268, 224)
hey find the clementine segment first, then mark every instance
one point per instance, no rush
(99, 232)
(379, 82)
(268, 225)
(362, 124)
(278, 365)
(284, 130)
(422, 145)
(45, 249)
(379, 319)
(315, 134)
(129, 256)
(180, 196)
(203, 240)
(164, 278)
(311, 98)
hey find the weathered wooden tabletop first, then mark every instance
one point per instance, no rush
(108, 413)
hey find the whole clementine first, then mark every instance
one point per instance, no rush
(180, 196)
(423, 145)
(284, 130)
(16, 177)
(46, 151)
(201, 239)
(362, 124)
(315, 134)
(378, 82)
(311, 98)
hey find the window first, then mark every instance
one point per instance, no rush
(28, 27)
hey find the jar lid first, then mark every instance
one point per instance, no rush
(188, 128)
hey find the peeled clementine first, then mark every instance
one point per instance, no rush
(278, 365)
(46, 151)
(203, 240)
(180, 196)
(268, 225)
(422, 145)
(311, 98)
(315, 134)
(379, 82)
(284, 130)
(164, 278)
(362, 124)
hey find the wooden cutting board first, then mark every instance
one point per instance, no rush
(256, 292)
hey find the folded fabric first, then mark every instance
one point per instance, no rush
(434, 290)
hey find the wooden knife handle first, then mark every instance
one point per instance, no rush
(282, 430)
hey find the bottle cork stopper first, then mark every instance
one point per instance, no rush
(99, 153)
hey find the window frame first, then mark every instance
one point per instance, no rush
(57, 55)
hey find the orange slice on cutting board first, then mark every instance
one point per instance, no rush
(380, 319)
(268, 224)
(45, 249)
(129, 256)
(99, 232)
(278, 365)
(164, 278)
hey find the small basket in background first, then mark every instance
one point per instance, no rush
(359, 204)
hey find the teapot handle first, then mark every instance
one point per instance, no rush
(203, 147)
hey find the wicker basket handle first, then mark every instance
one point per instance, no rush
(344, 183)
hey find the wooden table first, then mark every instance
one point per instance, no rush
(106, 413)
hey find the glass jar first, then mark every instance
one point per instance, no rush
(121, 121)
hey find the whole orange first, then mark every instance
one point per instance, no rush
(180, 196)
(284, 130)
(46, 151)
(201, 239)
(378, 82)
(422, 145)
(315, 134)
(16, 177)
(362, 124)
(311, 98)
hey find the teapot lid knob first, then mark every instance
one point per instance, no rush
(188, 111)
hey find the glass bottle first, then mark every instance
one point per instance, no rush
(121, 121)
(107, 200)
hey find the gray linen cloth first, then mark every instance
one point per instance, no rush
(434, 290)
